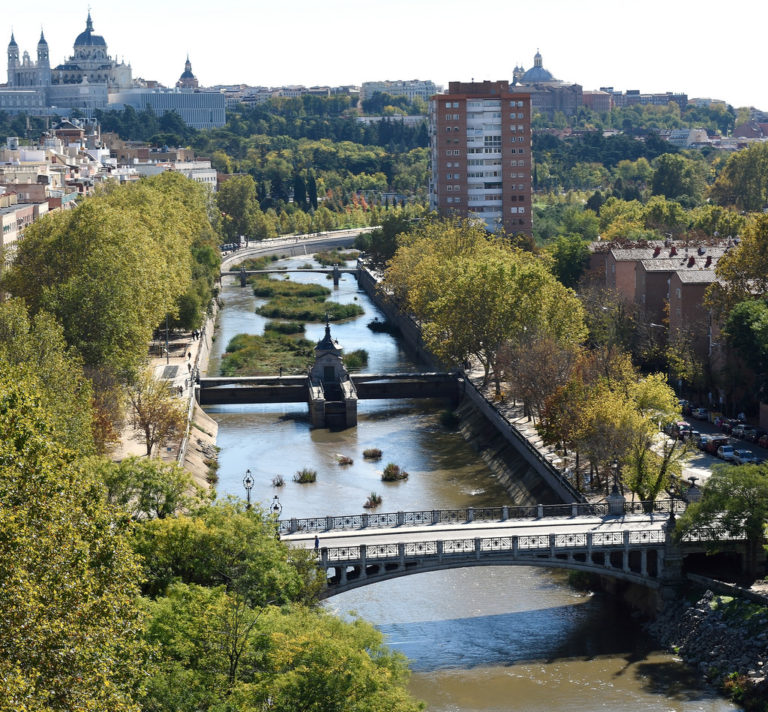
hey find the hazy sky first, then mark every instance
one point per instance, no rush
(700, 48)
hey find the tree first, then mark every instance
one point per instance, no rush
(678, 178)
(226, 544)
(37, 347)
(148, 489)
(571, 257)
(236, 199)
(216, 647)
(735, 503)
(157, 413)
(472, 293)
(70, 624)
(743, 182)
(746, 330)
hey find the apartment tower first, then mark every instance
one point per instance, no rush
(480, 140)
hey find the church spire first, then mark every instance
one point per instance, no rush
(89, 22)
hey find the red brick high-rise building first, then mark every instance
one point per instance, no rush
(480, 139)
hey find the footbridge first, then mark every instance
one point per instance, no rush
(635, 546)
(336, 271)
(296, 389)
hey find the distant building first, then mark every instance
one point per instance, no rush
(187, 80)
(480, 143)
(198, 109)
(633, 97)
(82, 82)
(548, 95)
(410, 89)
(597, 101)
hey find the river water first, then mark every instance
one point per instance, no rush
(484, 639)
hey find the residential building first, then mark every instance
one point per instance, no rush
(480, 142)
(411, 89)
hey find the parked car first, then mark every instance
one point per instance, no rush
(762, 441)
(700, 413)
(715, 443)
(728, 424)
(741, 431)
(755, 435)
(744, 457)
(726, 452)
(703, 441)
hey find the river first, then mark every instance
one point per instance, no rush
(484, 639)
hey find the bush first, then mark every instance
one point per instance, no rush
(307, 309)
(393, 473)
(305, 475)
(372, 453)
(278, 481)
(374, 500)
(356, 359)
(268, 288)
(284, 327)
(383, 327)
(335, 257)
(344, 460)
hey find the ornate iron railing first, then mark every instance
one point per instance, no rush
(428, 517)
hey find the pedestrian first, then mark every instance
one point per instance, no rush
(281, 371)
(189, 356)
(189, 367)
(317, 542)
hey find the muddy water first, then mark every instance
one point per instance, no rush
(479, 639)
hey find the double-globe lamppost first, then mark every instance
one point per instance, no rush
(274, 509)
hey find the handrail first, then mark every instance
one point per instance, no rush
(468, 515)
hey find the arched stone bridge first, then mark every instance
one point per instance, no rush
(358, 550)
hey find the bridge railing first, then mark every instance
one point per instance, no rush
(553, 543)
(431, 517)
(513, 544)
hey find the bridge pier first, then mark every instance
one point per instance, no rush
(243, 277)
(336, 275)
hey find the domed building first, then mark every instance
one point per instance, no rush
(187, 80)
(83, 81)
(548, 95)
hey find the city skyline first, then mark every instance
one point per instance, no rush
(676, 47)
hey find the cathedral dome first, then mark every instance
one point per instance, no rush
(12, 43)
(87, 38)
(537, 73)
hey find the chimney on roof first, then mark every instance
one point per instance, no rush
(709, 261)
(656, 251)
(702, 250)
(672, 251)
(691, 261)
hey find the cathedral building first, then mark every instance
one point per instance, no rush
(83, 82)
(187, 80)
(548, 95)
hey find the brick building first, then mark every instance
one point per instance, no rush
(480, 141)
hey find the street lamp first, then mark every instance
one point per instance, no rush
(615, 489)
(693, 494)
(275, 508)
(248, 484)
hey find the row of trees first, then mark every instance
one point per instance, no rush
(110, 271)
(126, 588)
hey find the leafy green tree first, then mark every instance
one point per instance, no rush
(37, 347)
(734, 502)
(215, 647)
(743, 182)
(570, 256)
(472, 293)
(225, 544)
(157, 413)
(69, 614)
(678, 178)
(147, 489)
(746, 330)
(236, 199)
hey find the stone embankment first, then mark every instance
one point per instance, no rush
(724, 637)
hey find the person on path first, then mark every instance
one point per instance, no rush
(317, 542)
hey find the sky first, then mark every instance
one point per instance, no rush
(701, 48)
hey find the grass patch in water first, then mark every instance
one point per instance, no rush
(307, 309)
(328, 258)
(356, 359)
(265, 355)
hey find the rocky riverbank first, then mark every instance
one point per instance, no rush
(726, 639)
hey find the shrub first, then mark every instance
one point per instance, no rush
(344, 460)
(356, 359)
(383, 327)
(372, 453)
(393, 473)
(305, 475)
(285, 327)
(374, 500)
(278, 481)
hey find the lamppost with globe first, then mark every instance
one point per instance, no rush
(248, 484)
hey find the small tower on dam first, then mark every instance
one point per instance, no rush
(332, 395)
